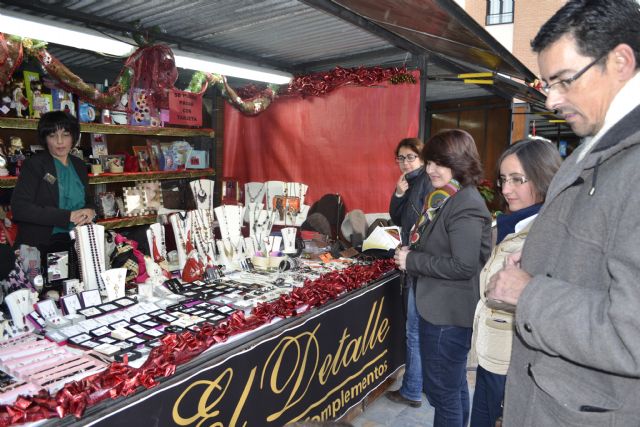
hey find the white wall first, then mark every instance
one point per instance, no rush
(503, 33)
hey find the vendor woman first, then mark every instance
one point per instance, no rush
(51, 195)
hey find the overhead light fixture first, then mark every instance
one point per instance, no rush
(197, 62)
(23, 25)
(33, 27)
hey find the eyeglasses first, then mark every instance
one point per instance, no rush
(514, 180)
(562, 86)
(409, 158)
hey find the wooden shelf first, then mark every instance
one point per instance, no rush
(15, 123)
(106, 178)
(8, 181)
(128, 221)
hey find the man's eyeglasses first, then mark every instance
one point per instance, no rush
(514, 180)
(562, 86)
(409, 158)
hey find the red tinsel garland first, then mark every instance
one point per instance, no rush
(121, 380)
(318, 84)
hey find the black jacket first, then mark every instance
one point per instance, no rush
(34, 202)
(448, 258)
(404, 211)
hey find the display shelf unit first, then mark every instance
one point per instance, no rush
(31, 124)
(107, 178)
(128, 221)
(137, 132)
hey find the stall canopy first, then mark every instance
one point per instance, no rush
(296, 36)
(435, 39)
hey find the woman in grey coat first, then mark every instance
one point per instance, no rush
(450, 244)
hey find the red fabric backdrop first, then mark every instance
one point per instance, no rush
(342, 142)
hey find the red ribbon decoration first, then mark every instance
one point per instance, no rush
(121, 380)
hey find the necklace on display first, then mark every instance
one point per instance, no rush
(95, 256)
(181, 228)
(201, 194)
(228, 252)
(162, 250)
(253, 198)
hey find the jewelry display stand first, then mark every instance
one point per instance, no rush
(272, 244)
(20, 304)
(203, 193)
(114, 280)
(254, 193)
(90, 249)
(223, 258)
(291, 196)
(251, 213)
(249, 246)
(289, 239)
(262, 228)
(181, 224)
(202, 235)
(156, 237)
(230, 247)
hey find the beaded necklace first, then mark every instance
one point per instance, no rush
(95, 257)
(180, 223)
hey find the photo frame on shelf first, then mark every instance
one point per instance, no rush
(113, 163)
(198, 159)
(107, 207)
(99, 145)
(133, 201)
(169, 156)
(155, 154)
(182, 151)
(142, 155)
(151, 195)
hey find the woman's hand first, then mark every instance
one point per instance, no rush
(401, 186)
(82, 216)
(400, 257)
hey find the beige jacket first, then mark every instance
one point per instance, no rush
(493, 329)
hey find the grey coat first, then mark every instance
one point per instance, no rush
(448, 259)
(576, 355)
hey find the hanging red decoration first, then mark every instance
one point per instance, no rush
(10, 57)
(317, 84)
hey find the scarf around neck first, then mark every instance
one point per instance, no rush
(432, 205)
(506, 223)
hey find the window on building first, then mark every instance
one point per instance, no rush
(499, 12)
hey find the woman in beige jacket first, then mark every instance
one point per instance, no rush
(525, 171)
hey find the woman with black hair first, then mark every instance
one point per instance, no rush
(51, 195)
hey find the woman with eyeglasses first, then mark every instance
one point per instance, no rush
(449, 245)
(525, 171)
(405, 207)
